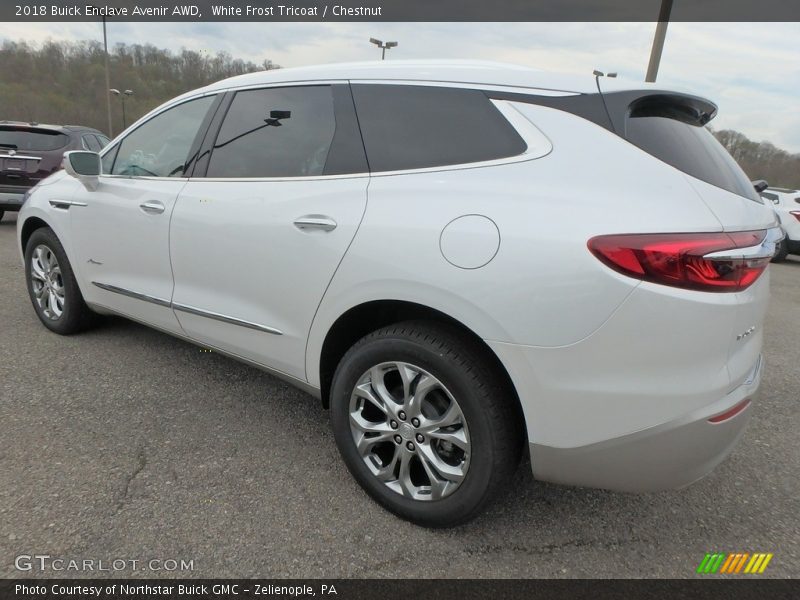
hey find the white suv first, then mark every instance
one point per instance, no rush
(787, 208)
(462, 260)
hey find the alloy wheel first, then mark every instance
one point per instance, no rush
(47, 282)
(410, 431)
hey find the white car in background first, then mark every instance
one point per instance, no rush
(463, 261)
(787, 207)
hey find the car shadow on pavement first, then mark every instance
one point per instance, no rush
(792, 260)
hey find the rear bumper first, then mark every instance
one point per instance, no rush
(11, 200)
(668, 456)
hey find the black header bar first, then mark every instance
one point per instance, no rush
(398, 10)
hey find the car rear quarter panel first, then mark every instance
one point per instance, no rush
(543, 287)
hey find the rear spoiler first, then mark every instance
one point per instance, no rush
(612, 109)
(686, 108)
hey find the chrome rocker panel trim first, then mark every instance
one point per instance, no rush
(132, 294)
(187, 309)
(224, 318)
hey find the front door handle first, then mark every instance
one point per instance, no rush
(153, 207)
(309, 222)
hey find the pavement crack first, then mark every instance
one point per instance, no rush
(484, 549)
(141, 463)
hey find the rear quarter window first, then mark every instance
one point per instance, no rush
(41, 140)
(414, 127)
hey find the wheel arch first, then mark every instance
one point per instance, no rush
(30, 225)
(369, 316)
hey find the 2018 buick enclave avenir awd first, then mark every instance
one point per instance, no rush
(462, 260)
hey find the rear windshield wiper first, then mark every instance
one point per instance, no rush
(14, 146)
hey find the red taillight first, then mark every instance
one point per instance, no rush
(796, 214)
(681, 259)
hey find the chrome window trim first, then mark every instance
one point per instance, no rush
(279, 179)
(142, 177)
(298, 83)
(524, 128)
(537, 146)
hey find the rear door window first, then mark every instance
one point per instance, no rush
(41, 140)
(415, 127)
(275, 132)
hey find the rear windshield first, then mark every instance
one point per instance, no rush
(670, 135)
(15, 138)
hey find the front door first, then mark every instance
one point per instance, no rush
(121, 230)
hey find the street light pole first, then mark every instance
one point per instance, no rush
(122, 96)
(383, 46)
(658, 40)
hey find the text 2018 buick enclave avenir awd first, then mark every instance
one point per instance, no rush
(462, 260)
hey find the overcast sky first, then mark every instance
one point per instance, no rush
(752, 70)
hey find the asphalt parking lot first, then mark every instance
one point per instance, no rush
(126, 443)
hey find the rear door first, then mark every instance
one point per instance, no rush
(263, 223)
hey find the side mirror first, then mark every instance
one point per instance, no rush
(83, 166)
(760, 185)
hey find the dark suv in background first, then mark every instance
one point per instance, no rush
(29, 152)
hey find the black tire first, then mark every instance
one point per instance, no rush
(783, 252)
(75, 316)
(490, 411)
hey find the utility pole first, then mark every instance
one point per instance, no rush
(658, 40)
(108, 81)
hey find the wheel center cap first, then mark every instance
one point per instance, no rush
(406, 431)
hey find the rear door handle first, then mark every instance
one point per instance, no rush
(309, 222)
(153, 207)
